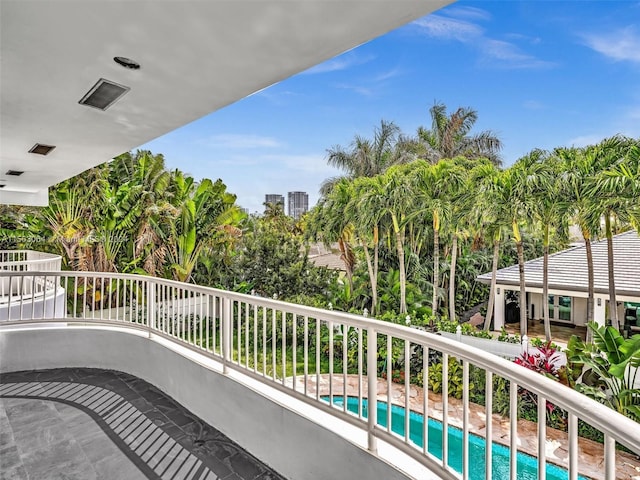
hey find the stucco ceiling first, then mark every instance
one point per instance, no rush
(196, 56)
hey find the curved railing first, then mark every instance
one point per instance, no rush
(25, 294)
(29, 260)
(322, 357)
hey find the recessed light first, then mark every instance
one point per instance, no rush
(127, 63)
(15, 173)
(103, 94)
(42, 149)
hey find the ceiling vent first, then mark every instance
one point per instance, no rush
(103, 94)
(2, 186)
(14, 173)
(41, 149)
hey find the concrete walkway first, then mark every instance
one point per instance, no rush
(97, 424)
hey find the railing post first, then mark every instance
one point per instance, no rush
(151, 306)
(372, 388)
(525, 345)
(459, 333)
(226, 334)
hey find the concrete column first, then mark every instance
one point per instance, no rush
(498, 316)
(599, 310)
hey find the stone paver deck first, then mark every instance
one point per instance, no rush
(95, 424)
(591, 456)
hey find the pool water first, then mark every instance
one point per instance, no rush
(527, 465)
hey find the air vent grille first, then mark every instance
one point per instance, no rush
(14, 173)
(103, 94)
(41, 149)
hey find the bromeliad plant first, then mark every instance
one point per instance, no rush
(607, 369)
(545, 361)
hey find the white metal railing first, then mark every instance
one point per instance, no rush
(295, 348)
(29, 295)
(29, 260)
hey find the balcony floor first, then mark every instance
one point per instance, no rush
(98, 424)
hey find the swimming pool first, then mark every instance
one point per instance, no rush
(527, 465)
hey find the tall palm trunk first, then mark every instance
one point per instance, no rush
(436, 272)
(436, 263)
(523, 291)
(347, 257)
(403, 275)
(452, 278)
(590, 299)
(545, 284)
(613, 304)
(376, 263)
(492, 290)
(372, 279)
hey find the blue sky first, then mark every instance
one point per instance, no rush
(540, 74)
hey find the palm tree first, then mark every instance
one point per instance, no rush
(389, 193)
(463, 217)
(366, 210)
(449, 136)
(368, 158)
(511, 190)
(491, 214)
(549, 208)
(521, 183)
(330, 223)
(617, 198)
(579, 166)
(438, 187)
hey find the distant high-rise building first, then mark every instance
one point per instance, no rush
(274, 199)
(298, 204)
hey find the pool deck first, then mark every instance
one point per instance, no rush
(96, 424)
(590, 457)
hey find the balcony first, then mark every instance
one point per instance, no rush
(30, 296)
(291, 384)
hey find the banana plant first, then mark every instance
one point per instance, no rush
(609, 368)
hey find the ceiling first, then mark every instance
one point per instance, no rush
(196, 57)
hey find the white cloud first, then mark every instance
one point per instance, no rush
(359, 89)
(621, 45)
(449, 28)
(240, 141)
(278, 98)
(341, 62)
(381, 77)
(585, 140)
(510, 55)
(471, 13)
(457, 24)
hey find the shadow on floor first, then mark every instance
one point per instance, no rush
(89, 423)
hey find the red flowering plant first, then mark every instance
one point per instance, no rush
(546, 361)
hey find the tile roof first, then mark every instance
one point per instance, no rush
(568, 268)
(330, 260)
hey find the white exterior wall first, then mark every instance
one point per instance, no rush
(578, 305)
(536, 306)
(498, 317)
(53, 306)
(294, 445)
(579, 311)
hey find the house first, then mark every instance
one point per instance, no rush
(568, 284)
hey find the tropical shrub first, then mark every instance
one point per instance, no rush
(607, 368)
